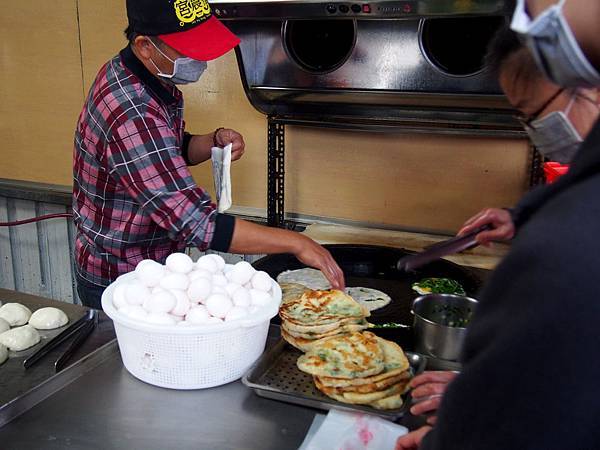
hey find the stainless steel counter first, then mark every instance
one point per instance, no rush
(107, 408)
(110, 409)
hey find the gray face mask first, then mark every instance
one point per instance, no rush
(554, 135)
(185, 70)
(554, 47)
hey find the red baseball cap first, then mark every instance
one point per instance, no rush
(187, 26)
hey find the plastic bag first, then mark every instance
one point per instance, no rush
(221, 164)
(354, 431)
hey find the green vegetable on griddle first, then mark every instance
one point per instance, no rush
(388, 325)
(438, 286)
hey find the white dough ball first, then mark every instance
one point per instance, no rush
(15, 314)
(231, 288)
(214, 320)
(179, 263)
(199, 273)
(219, 280)
(237, 312)
(218, 305)
(197, 315)
(3, 353)
(175, 280)
(119, 297)
(259, 298)
(48, 319)
(149, 272)
(218, 260)
(4, 326)
(161, 302)
(135, 312)
(241, 297)
(206, 262)
(219, 290)
(157, 289)
(199, 290)
(183, 303)
(160, 318)
(136, 292)
(241, 273)
(20, 338)
(262, 281)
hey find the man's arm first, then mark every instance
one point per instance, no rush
(199, 145)
(155, 175)
(250, 238)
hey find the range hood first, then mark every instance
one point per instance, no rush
(408, 65)
(391, 9)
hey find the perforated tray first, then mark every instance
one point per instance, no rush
(276, 376)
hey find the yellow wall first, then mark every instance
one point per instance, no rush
(41, 90)
(418, 181)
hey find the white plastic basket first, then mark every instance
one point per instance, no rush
(192, 357)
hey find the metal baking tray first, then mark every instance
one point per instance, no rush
(22, 389)
(276, 376)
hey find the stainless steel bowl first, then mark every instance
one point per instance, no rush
(440, 322)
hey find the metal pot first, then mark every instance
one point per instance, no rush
(440, 322)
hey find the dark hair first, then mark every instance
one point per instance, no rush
(504, 44)
(130, 34)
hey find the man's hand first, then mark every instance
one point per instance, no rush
(251, 238)
(412, 440)
(427, 391)
(503, 228)
(226, 136)
(315, 255)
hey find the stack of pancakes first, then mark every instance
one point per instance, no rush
(359, 368)
(308, 316)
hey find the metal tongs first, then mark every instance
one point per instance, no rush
(440, 249)
(81, 328)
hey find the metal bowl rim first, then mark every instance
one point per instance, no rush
(431, 322)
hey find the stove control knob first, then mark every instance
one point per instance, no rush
(356, 8)
(331, 8)
(344, 9)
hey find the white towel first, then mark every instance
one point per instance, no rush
(221, 164)
(347, 430)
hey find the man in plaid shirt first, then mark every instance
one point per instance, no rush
(133, 195)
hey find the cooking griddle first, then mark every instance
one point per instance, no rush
(375, 267)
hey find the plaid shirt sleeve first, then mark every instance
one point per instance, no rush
(143, 154)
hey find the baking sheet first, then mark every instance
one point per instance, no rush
(21, 389)
(276, 376)
(73, 312)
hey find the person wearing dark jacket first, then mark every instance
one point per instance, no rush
(529, 378)
(557, 120)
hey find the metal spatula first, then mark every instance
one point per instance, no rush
(444, 248)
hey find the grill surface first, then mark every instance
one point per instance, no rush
(375, 267)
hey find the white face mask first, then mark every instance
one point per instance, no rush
(554, 47)
(185, 70)
(554, 135)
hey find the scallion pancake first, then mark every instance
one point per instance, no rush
(350, 356)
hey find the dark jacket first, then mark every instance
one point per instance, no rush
(531, 376)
